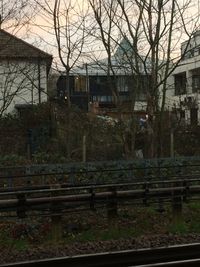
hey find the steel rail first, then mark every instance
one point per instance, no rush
(147, 182)
(163, 255)
(136, 194)
(184, 263)
(65, 187)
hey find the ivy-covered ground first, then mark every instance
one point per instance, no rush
(90, 232)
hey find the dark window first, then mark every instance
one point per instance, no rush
(145, 84)
(182, 114)
(122, 83)
(194, 116)
(124, 98)
(180, 83)
(195, 83)
(137, 85)
(98, 80)
(192, 52)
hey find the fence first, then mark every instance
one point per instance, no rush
(100, 172)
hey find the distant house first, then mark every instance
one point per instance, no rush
(23, 74)
(184, 96)
(90, 88)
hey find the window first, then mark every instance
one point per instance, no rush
(109, 98)
(98, 80)
(195, 83)
(182, 114)
(192, 52)
(180, 83)
(194, 116)
(124, 98)
(102, 98)
(122, 84)
(94, 98)
(80, 84)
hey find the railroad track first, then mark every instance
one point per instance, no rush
(186, 263)
(62, 199)
(182, 255)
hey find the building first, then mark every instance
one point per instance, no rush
(92, 89)
(23, 74)
(184, 94)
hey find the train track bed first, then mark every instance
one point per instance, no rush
(84, 233)
(110, 256)
(41, 221)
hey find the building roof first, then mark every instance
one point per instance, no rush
(13, 47)
(125, 48)
(122, 62)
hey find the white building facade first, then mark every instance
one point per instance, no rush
(23, 74)
(184, 88)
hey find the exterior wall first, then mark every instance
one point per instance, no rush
(98, 92)
(52, 84)
(20, 83)
(191, 48)
(190, 67)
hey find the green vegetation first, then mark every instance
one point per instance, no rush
(40, 136)
(178, 228)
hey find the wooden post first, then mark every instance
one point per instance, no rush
(112, 205)
(92, 200)
(56, 232)
(72, 180)
(171, 143)
(21, 206)
(84, 148)
(160, 205)
(160, 200)
(29, 143)
(56, 218)
(145, 197)
(186, 192)
(177, 206)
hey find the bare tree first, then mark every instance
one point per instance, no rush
(122, 58)
(104, 13)
(163, 23)
(67, 22)
(16, 14)
(153, 30)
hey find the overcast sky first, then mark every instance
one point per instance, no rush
(40, 30)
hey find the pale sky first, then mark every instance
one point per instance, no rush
(40, 31)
